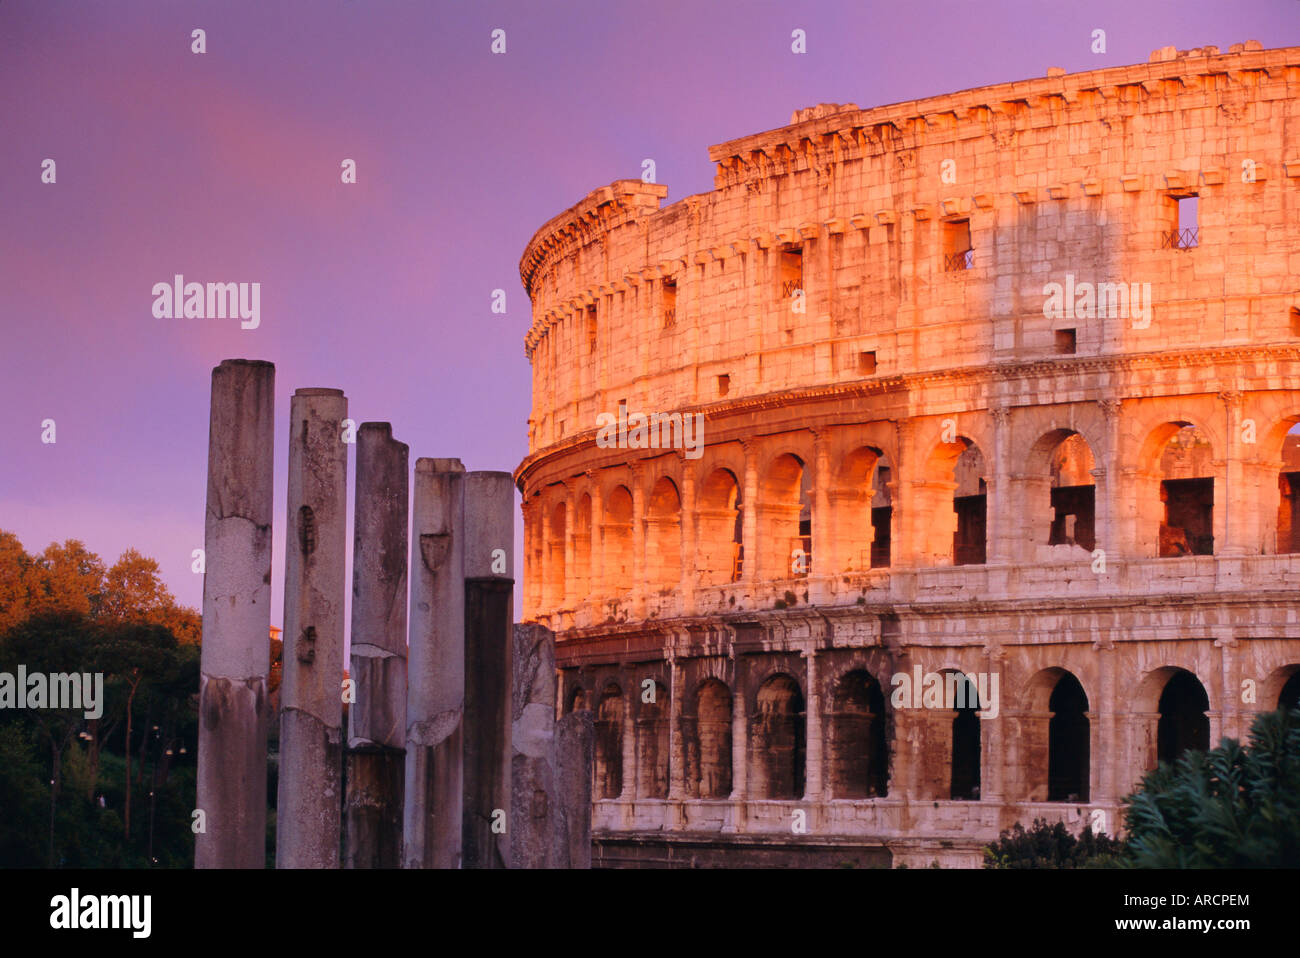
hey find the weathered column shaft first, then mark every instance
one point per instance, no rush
(575, 749)
(236, 651)
(377, 717)
(310, 800)
(435, 669)
(537, 836)
(489, 617)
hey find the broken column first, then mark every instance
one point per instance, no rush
(550, 774)
(376, 756)
(435, 669)
(235, 658)
(489, 615)
(310, 798)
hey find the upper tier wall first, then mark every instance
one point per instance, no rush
(1065, 176)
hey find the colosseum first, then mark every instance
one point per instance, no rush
(954, 478)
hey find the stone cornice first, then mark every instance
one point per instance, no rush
(717, 413)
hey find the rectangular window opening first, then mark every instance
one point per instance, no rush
(1065, 341)
(1186, 233)
(724, 384)
(958, 253)
(1188, 528)
(791, 272)
(670, 302)
(867, 363)
(1295, 321)
(591, 329)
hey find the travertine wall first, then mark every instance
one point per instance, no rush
(1104, 497)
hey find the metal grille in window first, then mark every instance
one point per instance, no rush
(670, 315)
(789, 287)
(1181, 239)
(958, 261)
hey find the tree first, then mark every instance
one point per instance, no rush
(1051, 846)
(136, 653)
(15, 577)
(51, 643)
(66, 578)
(1231, 807)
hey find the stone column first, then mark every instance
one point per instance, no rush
(689, 578)
(998, 524)
(639, 577)
(823, 529)
(1230, 720)
(575, 750)
(489, 614)
(435, 669)
(535, 814)
(676, 747)
(597, 578)
(236, 654)
(570, 597)
(1231, 495)
(309, 808)
(1109, 755)
(993, 757)
(377, 717)
(749, 520)
(739, 748)
(814, 770)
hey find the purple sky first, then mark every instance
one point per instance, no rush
(225, 167)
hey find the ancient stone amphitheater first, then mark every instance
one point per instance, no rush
(996, 388)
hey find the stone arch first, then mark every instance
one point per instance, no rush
(1281, 689)
(1057, 495)
(857, 753)
(963, 703)
(952, 504)
(616, 527)
(784, 518)
(708, 740)
(1054, 733)
(1176, 486)
(1280, 527)
(719, 521)
(608, 764)
(1175, 701)
(663, 542)
(652, 744)
(776, 739)
(852, 499)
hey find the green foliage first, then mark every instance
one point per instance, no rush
(63, 777)
(1051, 846)
(1231, 807)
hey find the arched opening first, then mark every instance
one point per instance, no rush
(859, 758)
(963, 699)
(777, 740)
(556, 541)
(718, 519)
(608, 764)
(851, 504)
(616, 574)
(652, 744)
(1073, 493)
(1186, 475)
(784, 520)
(663, 554)
(1288, 482)
(582, 570)
(1068, 742)
(1289, 697)
(577, 700)
(882, 514)
(1183, 724)
(969, 501)
(709, 765)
